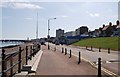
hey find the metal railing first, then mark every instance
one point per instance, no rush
(15, 60)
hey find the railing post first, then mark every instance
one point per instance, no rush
(79, 58)
(11, 64)
(108, 50)
(33, 49)
(26, 55)
(19, 60)
(99, 49)
(99, 67)
(31, 52)
(70, 53)
(62, 50)
(3, 63)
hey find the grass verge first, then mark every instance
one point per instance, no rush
(105, 43)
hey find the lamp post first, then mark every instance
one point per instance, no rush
(49, 31)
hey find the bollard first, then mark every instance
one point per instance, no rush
(91, 48)
(3, 63)
(79, 58)
(108, 50)
(70, 53)
(19, 60)
(26, 55)
(99, 49)
(99, 67)
(86, 47)
(65, 51)
(48, 46)
(55, 49)
(62, 50)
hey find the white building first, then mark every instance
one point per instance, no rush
(71, 33)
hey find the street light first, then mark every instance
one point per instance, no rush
(49, 30)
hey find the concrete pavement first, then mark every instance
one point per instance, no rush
(56, 63)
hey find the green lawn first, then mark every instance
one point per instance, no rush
(106, 42)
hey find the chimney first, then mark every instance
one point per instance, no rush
(117, 22)
(103, 25)
(110, 24)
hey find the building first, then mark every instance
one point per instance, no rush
(59, 33)
(108, 30)
(77, 32)
(81, 30)
(71, 33)
(117, 29)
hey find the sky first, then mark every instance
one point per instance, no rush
(18, 20)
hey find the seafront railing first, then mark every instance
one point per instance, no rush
(12, 62)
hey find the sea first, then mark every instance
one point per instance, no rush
(4, 44)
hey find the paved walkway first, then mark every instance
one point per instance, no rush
(56, 63)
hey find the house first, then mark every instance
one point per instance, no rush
(117, 29)
(90, 33)
(100, 31)
(96, 33)
(107, 30)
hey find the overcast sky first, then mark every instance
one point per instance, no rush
(19, 18)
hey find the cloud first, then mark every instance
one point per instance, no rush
(16, 1)
(62, 16)
(28, 18)
(94, 14)
(26, 5)
(20, 5)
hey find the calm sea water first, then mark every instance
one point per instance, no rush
(3, 44)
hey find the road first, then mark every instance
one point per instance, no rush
(109, 61)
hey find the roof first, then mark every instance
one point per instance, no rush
(96, 30)
(118, 26)
(106, 27)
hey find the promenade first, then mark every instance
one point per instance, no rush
(56, 63)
